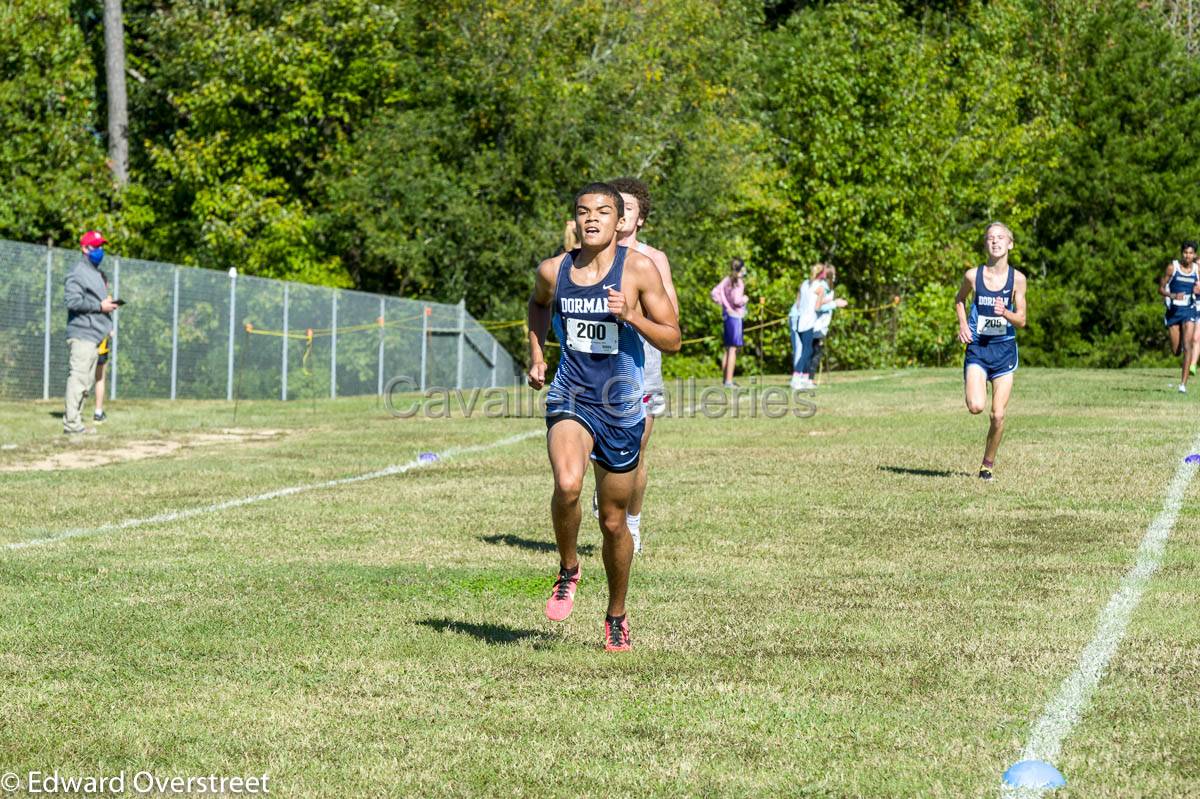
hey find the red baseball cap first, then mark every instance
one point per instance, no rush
(92, 239)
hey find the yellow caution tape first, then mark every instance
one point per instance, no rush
(378, 324)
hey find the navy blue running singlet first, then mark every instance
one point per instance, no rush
(984, 322)
(1181, 283)
(601, 364)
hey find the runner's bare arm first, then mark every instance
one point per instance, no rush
(643, 303)
(960, 306)
(538, 320)
(1166, 279)
(664, 271)
(1017, 317)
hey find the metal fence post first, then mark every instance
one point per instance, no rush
(462, 334)
(333, 351)
(232, 314)
(495, 359)
(382, 313)
(113, 344)
(46, 342)
(283, 381)
(174, 331)
(424, 343)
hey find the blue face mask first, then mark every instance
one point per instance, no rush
(96, 256)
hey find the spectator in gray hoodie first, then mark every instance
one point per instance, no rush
(89, 321)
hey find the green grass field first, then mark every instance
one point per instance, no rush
(829, 606)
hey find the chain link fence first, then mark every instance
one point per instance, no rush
(193, 333)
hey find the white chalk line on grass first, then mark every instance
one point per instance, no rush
(1066, 708)
(216, 507)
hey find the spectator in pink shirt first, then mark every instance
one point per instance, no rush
(730, 294)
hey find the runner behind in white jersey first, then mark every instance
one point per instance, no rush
(636, 196)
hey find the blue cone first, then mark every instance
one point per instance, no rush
(1033, 774)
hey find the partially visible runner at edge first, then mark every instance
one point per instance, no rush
(1194, 347)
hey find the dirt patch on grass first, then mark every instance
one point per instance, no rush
(77, 457)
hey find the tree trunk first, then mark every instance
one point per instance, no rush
(118, 109)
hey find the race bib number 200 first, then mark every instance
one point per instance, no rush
(598, 338)
(991, 325)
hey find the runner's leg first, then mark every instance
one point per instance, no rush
(1186, 331)
(1001, 389)
(639, 485)
(569, 444)
(975, 388)
(615, 490)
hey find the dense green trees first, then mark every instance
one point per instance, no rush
(430, 149)
(52, 165)
(1123, 194)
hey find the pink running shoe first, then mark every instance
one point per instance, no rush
(616, 634)
(562, 596)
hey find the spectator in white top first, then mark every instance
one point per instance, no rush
(801, 319)
(824, 317)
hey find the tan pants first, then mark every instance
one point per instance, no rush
(80, 378)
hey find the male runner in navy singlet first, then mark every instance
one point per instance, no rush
(989, 331)
(602, 300)
(1179, 286)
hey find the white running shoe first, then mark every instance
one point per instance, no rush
(1182, 388)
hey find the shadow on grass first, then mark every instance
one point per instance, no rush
(58, 414)
(531, 545)
(488, 633)
(923, 472)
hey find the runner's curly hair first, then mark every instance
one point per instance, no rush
(638, 189)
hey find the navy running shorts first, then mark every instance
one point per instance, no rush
(1179, 314)
(616, 449)
(996, 358)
